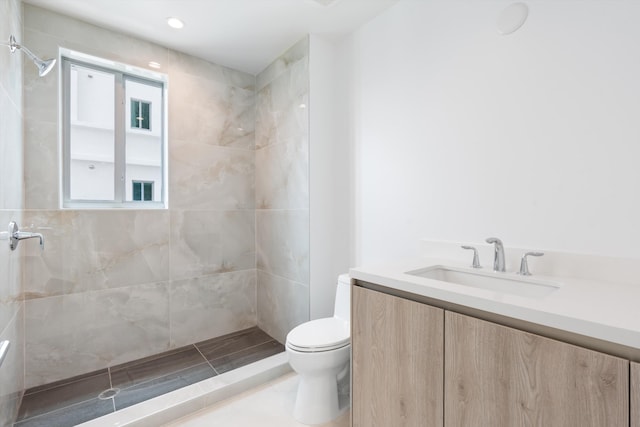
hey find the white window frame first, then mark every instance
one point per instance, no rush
(121, 72)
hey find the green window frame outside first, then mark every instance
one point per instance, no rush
(140, 114)
(142, 191)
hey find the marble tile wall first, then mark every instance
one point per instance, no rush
(11, 205)
(282, 192)
(113, 286)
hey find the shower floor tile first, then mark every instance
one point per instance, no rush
(244, 357)
(83, 398)
(159, 386)
(41, 400)
(232, 343)
(70, 415)
(149, 368)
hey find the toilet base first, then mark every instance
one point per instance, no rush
(317, 400)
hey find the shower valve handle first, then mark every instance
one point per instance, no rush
(15, 235)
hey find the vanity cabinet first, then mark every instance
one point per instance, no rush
(419, 365)
(499, 376)
(635, 394)
(397, 356)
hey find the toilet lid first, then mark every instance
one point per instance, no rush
(319, 335)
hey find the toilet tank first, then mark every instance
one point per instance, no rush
(342, 307)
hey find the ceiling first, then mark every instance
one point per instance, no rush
(245, 35)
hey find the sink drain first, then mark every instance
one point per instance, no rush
(108, 394)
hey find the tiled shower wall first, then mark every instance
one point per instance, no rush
(11, 203)
(112, 286)
(282, 192)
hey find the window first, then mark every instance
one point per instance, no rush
(142, 191)
(114, 148)
(140, 118)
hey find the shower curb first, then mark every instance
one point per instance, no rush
(187, 400)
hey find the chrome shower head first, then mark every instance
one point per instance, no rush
(44, 66)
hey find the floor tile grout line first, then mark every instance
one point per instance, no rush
(113, 398)
(206, 360)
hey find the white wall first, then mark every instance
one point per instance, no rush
(329, 176)
(461, 133)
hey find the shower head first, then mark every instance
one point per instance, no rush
(44, 66)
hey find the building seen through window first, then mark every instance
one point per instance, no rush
(114, 142)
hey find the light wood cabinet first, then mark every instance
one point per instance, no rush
(397, 361)
(635, 394)
(498, 376)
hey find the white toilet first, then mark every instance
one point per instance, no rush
(319, 351)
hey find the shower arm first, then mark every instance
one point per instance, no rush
(44, 66)
(13, 45)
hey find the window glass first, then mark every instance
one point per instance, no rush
(137, 191)
(144, 140)
(92, 135)
(148, 191)
(114, 145)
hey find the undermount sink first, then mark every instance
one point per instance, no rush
(506, 283)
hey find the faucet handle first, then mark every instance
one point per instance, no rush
(524, 265)
(476, 259)
(15, 235)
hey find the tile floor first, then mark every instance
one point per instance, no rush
(79, 399)
(269, 405)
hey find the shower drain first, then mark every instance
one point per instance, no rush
(108, 394)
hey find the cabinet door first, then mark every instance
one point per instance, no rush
(501, 377)
(635, 395)
(397, 356)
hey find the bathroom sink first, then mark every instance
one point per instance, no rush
(506, 283)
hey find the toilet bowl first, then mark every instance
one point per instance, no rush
(319, 351)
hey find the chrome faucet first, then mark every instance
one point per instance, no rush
(498, 255)
(15, 235)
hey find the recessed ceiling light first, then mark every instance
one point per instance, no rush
(512, 18)
(175, 23)
(154, 64)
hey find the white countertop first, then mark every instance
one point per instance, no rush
(593, 308)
